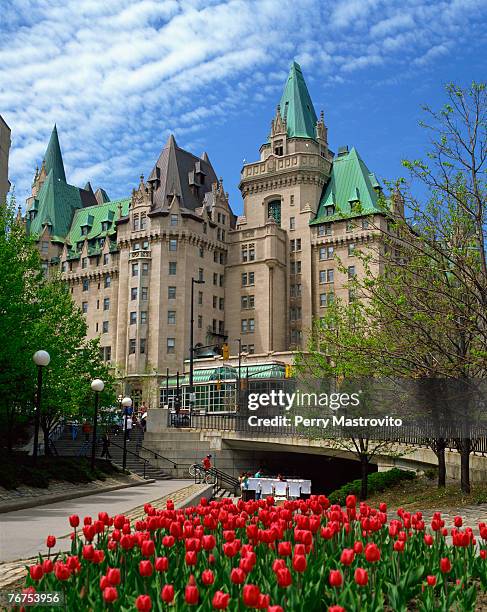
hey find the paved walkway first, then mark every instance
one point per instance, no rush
(23, 532)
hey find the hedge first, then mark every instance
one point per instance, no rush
(377, 482)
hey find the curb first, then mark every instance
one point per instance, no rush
(38, 501)
(195, 498)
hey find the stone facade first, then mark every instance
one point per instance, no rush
(4, 153)
(267, 274)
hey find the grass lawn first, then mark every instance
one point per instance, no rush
(17, 470)
(422, 493)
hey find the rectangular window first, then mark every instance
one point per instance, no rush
(84, 262)
(136, 226)
(201, 274)
(174, 219)
(86, 284)
(221, 327)
(222, 258)
(200, 322)
(365, 224)
(171, 317)
(106, 304)
(326, 299)
(133, 293)
(292, 223)
(145, 293)
(215, 256)
(200, 298)
(351, 250)
(108, 353)
(215, 301)
(132, 345)
(173, 244)
(84, 307)
(171, 293)
(350, 226)
(143, 317)
(145, 269)
(295, 267)
(105, 327)
(142, 345)
(106, 259)
(135, 269)
(171, 345)
(329, 211)
(215, 278)
(222, 280)
(202, 252)
(145, 245)
(108, 281)
(243, 326)
(133, 318)
(105, 226)
(326, 276)
(220, 303)
(136, 246)
(251, 326)
(143, 221)
(351, 271)
(326, 252)
(98, 304)
(325, 229)
(172, 268)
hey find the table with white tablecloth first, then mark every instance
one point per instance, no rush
(293, 487)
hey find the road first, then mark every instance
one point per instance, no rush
(23, 532)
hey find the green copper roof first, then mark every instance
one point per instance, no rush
(350, 190)
(211, 375)
(92, 217)
(53, 158)
(296, 106)
(56, 204)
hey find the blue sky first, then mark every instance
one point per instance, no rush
(118, 76)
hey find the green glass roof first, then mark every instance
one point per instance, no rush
(211, 375)
(350, 190)
(93, 217)
(296, 106)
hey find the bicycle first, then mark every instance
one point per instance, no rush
(206, 476)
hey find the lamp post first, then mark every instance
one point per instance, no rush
(41, 359)
(191, 344)
(239, 340)
(126, 404)
(97, 386)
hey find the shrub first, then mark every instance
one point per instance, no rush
(377, 482)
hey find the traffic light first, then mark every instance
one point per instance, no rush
(288, 372)
(225, 351)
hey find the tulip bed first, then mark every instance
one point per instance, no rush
(302, 555)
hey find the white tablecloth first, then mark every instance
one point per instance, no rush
(269, 486)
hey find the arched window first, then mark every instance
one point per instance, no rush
(274, 211)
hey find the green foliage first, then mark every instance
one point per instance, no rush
(377, 482)
(38, 312)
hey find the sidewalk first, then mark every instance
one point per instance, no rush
(23, 532)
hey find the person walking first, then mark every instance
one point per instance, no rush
(129, 427)
(207, 463)
(105, 451)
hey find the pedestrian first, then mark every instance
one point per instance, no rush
(74, 430)
(86, 430)
(207, 463)
(105, 452)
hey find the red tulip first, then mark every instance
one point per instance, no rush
(428, 539)
(458, 521)
(336, 609)
(445, 565)
(74, 520)
(372, 552)
(98, 556)
(335, 578)
(399, 546)
(299, 563)
(143, 603)
(347, 556)
(483, 554)
(50, 541)
(237, 576)
(358, 547)
(383, 507)
(220, 600)
(208, 542)
(251, 593)
(113, 576)
(284, 549)
(361, 576)
(104, 583)
(351, 501)
(48, 566)
(61, 571)
(284, 578)
(431, 580)
(161, 564)
(263, 602)
(147, 548)
(88, 551)
(207, 577)
(191, 593)
(167, 593)
(191, 557)
(110, 594)
(73, 564)
(36, 572)
(145, 568)
(275, 609)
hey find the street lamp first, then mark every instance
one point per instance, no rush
(191, 347)
(41, 359)
(126, 404)
(97, 386)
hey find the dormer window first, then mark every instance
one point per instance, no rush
(84, 230)
(329, 211)
(174, 219)
(79, 245)
(105, 226)
(278, 148)
(101, 242)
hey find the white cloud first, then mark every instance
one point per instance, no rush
(117, 75)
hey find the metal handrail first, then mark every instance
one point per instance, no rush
(146, 462)
(156, 455)
(221, 477)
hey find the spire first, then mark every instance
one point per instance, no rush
(171, 142)
(296, 106)
(53, 158)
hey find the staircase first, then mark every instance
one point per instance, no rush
(66, 446)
